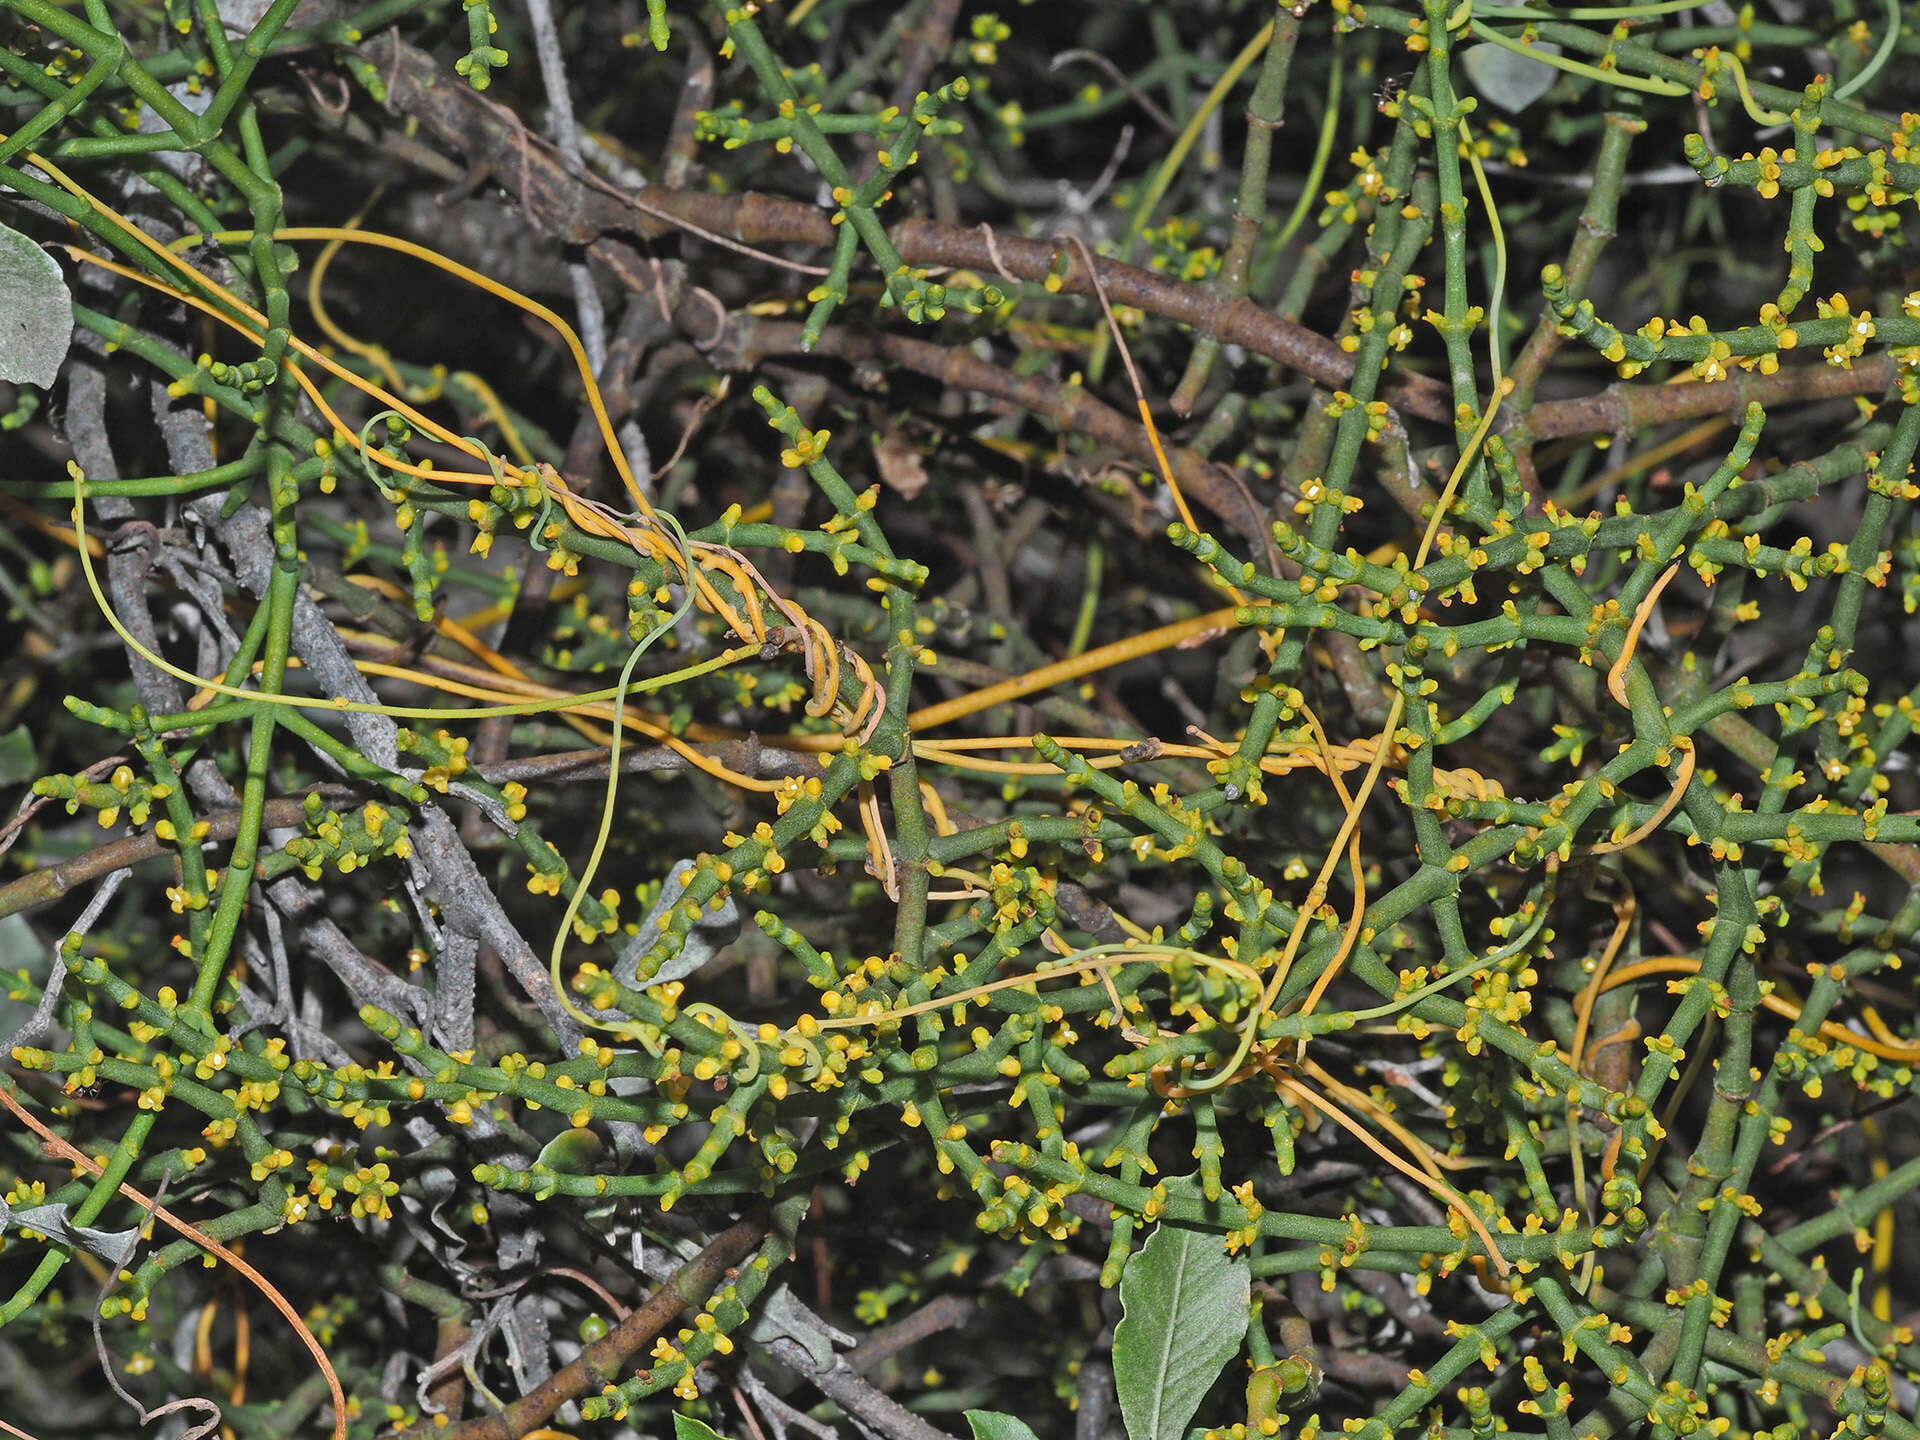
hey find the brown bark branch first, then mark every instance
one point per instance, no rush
(1634, 407)
(923, 45)
(602, 1361)
(580, 207)
(52, 882)
(1069, 407)
(944, 1312)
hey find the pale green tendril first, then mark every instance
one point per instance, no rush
(1645, 84)
(1881, 55)
(660, 627)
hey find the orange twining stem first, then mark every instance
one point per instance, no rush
(1140, 403)
(1906, 1052)
(1351, 935)
(507, 689)
(1617, 673)
(1659, 817)
(652, 544)
(1438, 1187)
(590, 515)
(1072, 668)
(1583, 1006)
(460, 635)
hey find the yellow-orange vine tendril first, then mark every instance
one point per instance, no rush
(453, 630)
(1624, 911)
(1904, 1052)
(1060, 671)
(1454, 1199)
(1140, 399)
(360, 707)
(813, 633)
(592, 516)
(1617, 672)
(880, 862)
(1684, 744)
(648, 542)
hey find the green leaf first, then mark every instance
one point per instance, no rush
(571, 1152)
(685, 1427)
(1184, 1303)
(20, 949)
(18, 762)
(36, 313)
(22, 953)
(995, 1425)
(1513, 82)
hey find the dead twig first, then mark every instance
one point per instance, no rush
(602, 1361)
(592, 207)
(944, 1312)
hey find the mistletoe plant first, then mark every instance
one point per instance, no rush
(587, 768)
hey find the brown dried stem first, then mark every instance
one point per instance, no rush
(580, 207)
(602, 1361)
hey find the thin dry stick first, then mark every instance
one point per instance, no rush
(608, 1355)
(1139, 391)
(57, 1146)
(36, 1024)
(611, 523)
(606, 1297)
(187, 1402)
(566, 134)
(1119, 77)
(746, 1413)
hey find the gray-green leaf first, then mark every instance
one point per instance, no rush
(782, 1316)
(1513, 82)
(36, 313)
(996, 1425)
(1184, 1303)
(116, 1246)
